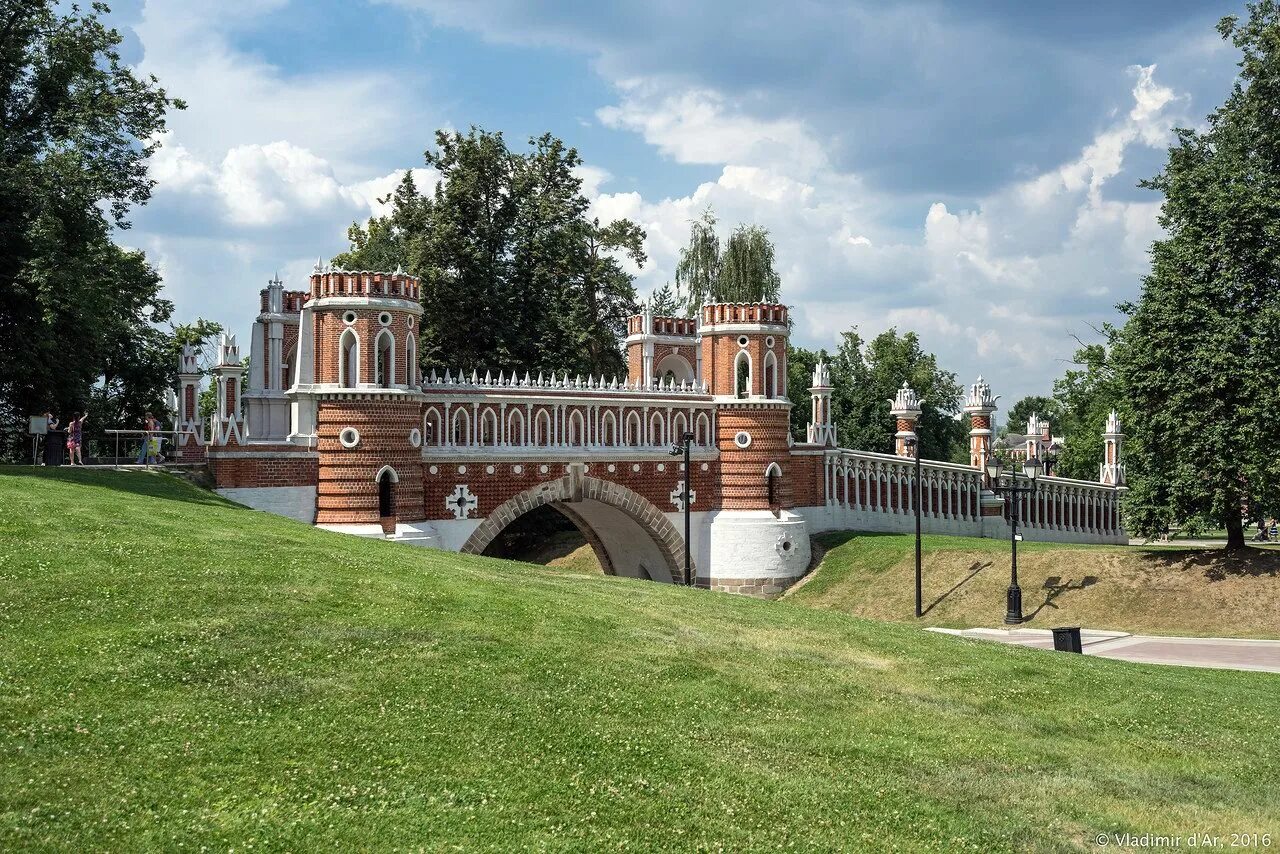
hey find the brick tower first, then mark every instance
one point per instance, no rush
(228, 422)
(360, 335)
(821, 430)
(744, 352)
(190, 430)
(1112, 471)
(979, 407)
(905, 408)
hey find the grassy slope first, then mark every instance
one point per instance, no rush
(1157, 590)
(174, 669)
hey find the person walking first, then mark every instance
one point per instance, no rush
(75, 438)
(146, 456)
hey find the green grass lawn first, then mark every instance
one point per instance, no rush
(1159, 590)
(176, 672)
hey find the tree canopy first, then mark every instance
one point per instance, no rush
(865, 376)
(76, 129)
(743, 272)
(514, 273)
(1199, 356)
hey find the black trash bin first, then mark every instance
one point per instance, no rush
(55, 447)
(1067, 639)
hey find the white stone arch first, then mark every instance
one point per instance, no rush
(395, 478)
(678, 366)
(432, 427)
(738, 389)
(487, 432)
(515, 427)
(771, 375)
(609, 429)
(349, 358)
(411, 360)
(460, 434)
(577, 429)
(679, 426)
(702, 430)
(635, 430)
(625, 525)
(542, 428)
(657, 429)
(384, 363)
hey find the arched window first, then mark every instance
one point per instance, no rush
(702, 433)
(608, 430)
(349, 359)
(542, 428)
(634, 430)
(432, 433)
(770, 375)
(675, 367)
(742, 374)
(515, 428)
(488, 428)
(657, 433)
(679, 426)
(577, 430)
(461, 428)
(410, 361)
(386, 348)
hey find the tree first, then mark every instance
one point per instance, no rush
(514, 274)
(76, 129)
(864, 376)
(744, 272)
(1085, 397)
(663, 302)
(1033, 404)
(800, 365)
(1198, 354)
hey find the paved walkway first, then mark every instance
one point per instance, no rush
(1226, 653)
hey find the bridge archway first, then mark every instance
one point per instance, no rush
(630, 536)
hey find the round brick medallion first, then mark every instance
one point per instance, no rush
(415, 437)
(462, 469)
(742, 439)
(349, 437)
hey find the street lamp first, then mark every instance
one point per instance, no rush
(682, 447)
(1010, 488)
(913, 446)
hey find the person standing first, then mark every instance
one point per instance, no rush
(75, 438)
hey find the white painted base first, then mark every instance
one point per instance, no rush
(754, 544)
(296, 502)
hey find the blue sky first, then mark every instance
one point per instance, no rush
(965, 170)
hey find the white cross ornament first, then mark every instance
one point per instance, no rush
(461, 502)
(677, 496)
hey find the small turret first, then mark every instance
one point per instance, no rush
(821, 430)
(979, 406)
(1111, 471)
(905, 408)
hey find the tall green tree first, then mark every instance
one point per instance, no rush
(1033, 404)
(743, 272)
(514, 273)
(864, 376)
(1085, 395)
(76, 128)
(1200, 354)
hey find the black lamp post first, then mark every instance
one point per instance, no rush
(682, 447)
(1010, 488)
(913, 445)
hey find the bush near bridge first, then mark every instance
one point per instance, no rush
(1155, 590)
(178, 671)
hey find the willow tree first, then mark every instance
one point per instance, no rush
(742, 272)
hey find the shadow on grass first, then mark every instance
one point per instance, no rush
(152, 484)
(1055, 587)
(1219, 564)
(973, 571)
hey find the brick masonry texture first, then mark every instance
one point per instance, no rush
(347, 487)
